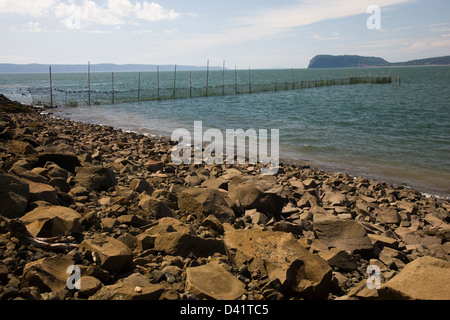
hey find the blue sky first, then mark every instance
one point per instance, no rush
(244, 33)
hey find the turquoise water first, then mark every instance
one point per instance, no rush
(394, 133)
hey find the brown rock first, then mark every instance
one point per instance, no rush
(13, 196)
(95, 178)
(182, 244)
(340, 259)
(52, 221)
(280, 256)
(111, 254)
(387, 216)
(261, 193)
(89, 286)
(212, 281)
(68, 160)
(154, 165)
(347, 235)
(204, 201)
(21, 147)
(425, 278)
(42, 191)
(48, 274)
(155, 207)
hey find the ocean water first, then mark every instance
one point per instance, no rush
(395, 133)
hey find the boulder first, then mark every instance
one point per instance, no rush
(21, 147)
(211, 281)
(205, 201)
(111, 254)
(154, 165)
(340, 259)
(425, 278)
(346, 235)
(260, 192)
(13, 196)
(155, 207)
(387, 216)
(280, 256)
(48, 274)
(42, 192)
(133, 287)
(52, 221)
(95, 178)
(182, 244)
(141, 185)
(68, 161)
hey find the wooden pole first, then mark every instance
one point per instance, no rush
(249, 82)
(223, 78)
(207, 76)
(139, 88)
(112, 77)
(51, 91)
(174, 82)
(235, 81)
(292, 78)
(157, 79)
(190, 84)
(89, 83)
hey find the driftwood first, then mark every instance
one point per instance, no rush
(18, 229)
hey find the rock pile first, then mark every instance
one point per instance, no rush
(139, 227)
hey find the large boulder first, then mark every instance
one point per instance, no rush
(280, 256)
(111, 254)
(425, 278)
(182, 244)
(13, 196)
(211, 281)
(52, 221)
(155, 207)
(261, 193)
(95, 178)
(67, 160)
(205, 201)
(343, 234)
(42, 191)
(48, 274)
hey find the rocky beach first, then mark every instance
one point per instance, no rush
(111, 207)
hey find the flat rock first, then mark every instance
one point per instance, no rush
(211, 281)
(205, 201)
(112, 255)
(347, 235)
(425, 278)
(52, 221)
(48, 274)
(280, 256)
(95, 178)
(182, 244)
(340, 259)
(42, 191)
(154, 165)
(13, 196)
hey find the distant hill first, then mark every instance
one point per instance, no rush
(104, 67)
(353, 61)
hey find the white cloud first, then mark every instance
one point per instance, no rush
(79, 14)
(335, 36)
(33, 27)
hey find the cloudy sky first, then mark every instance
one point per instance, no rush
(244, 33)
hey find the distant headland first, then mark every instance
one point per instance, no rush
(354, 61)
(103, 67)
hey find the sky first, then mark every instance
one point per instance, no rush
(259, 34)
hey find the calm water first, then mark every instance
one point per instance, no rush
(398, 134)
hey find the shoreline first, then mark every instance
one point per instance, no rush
(293, 161)
(140, 227)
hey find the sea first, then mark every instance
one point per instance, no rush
(398, 133)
